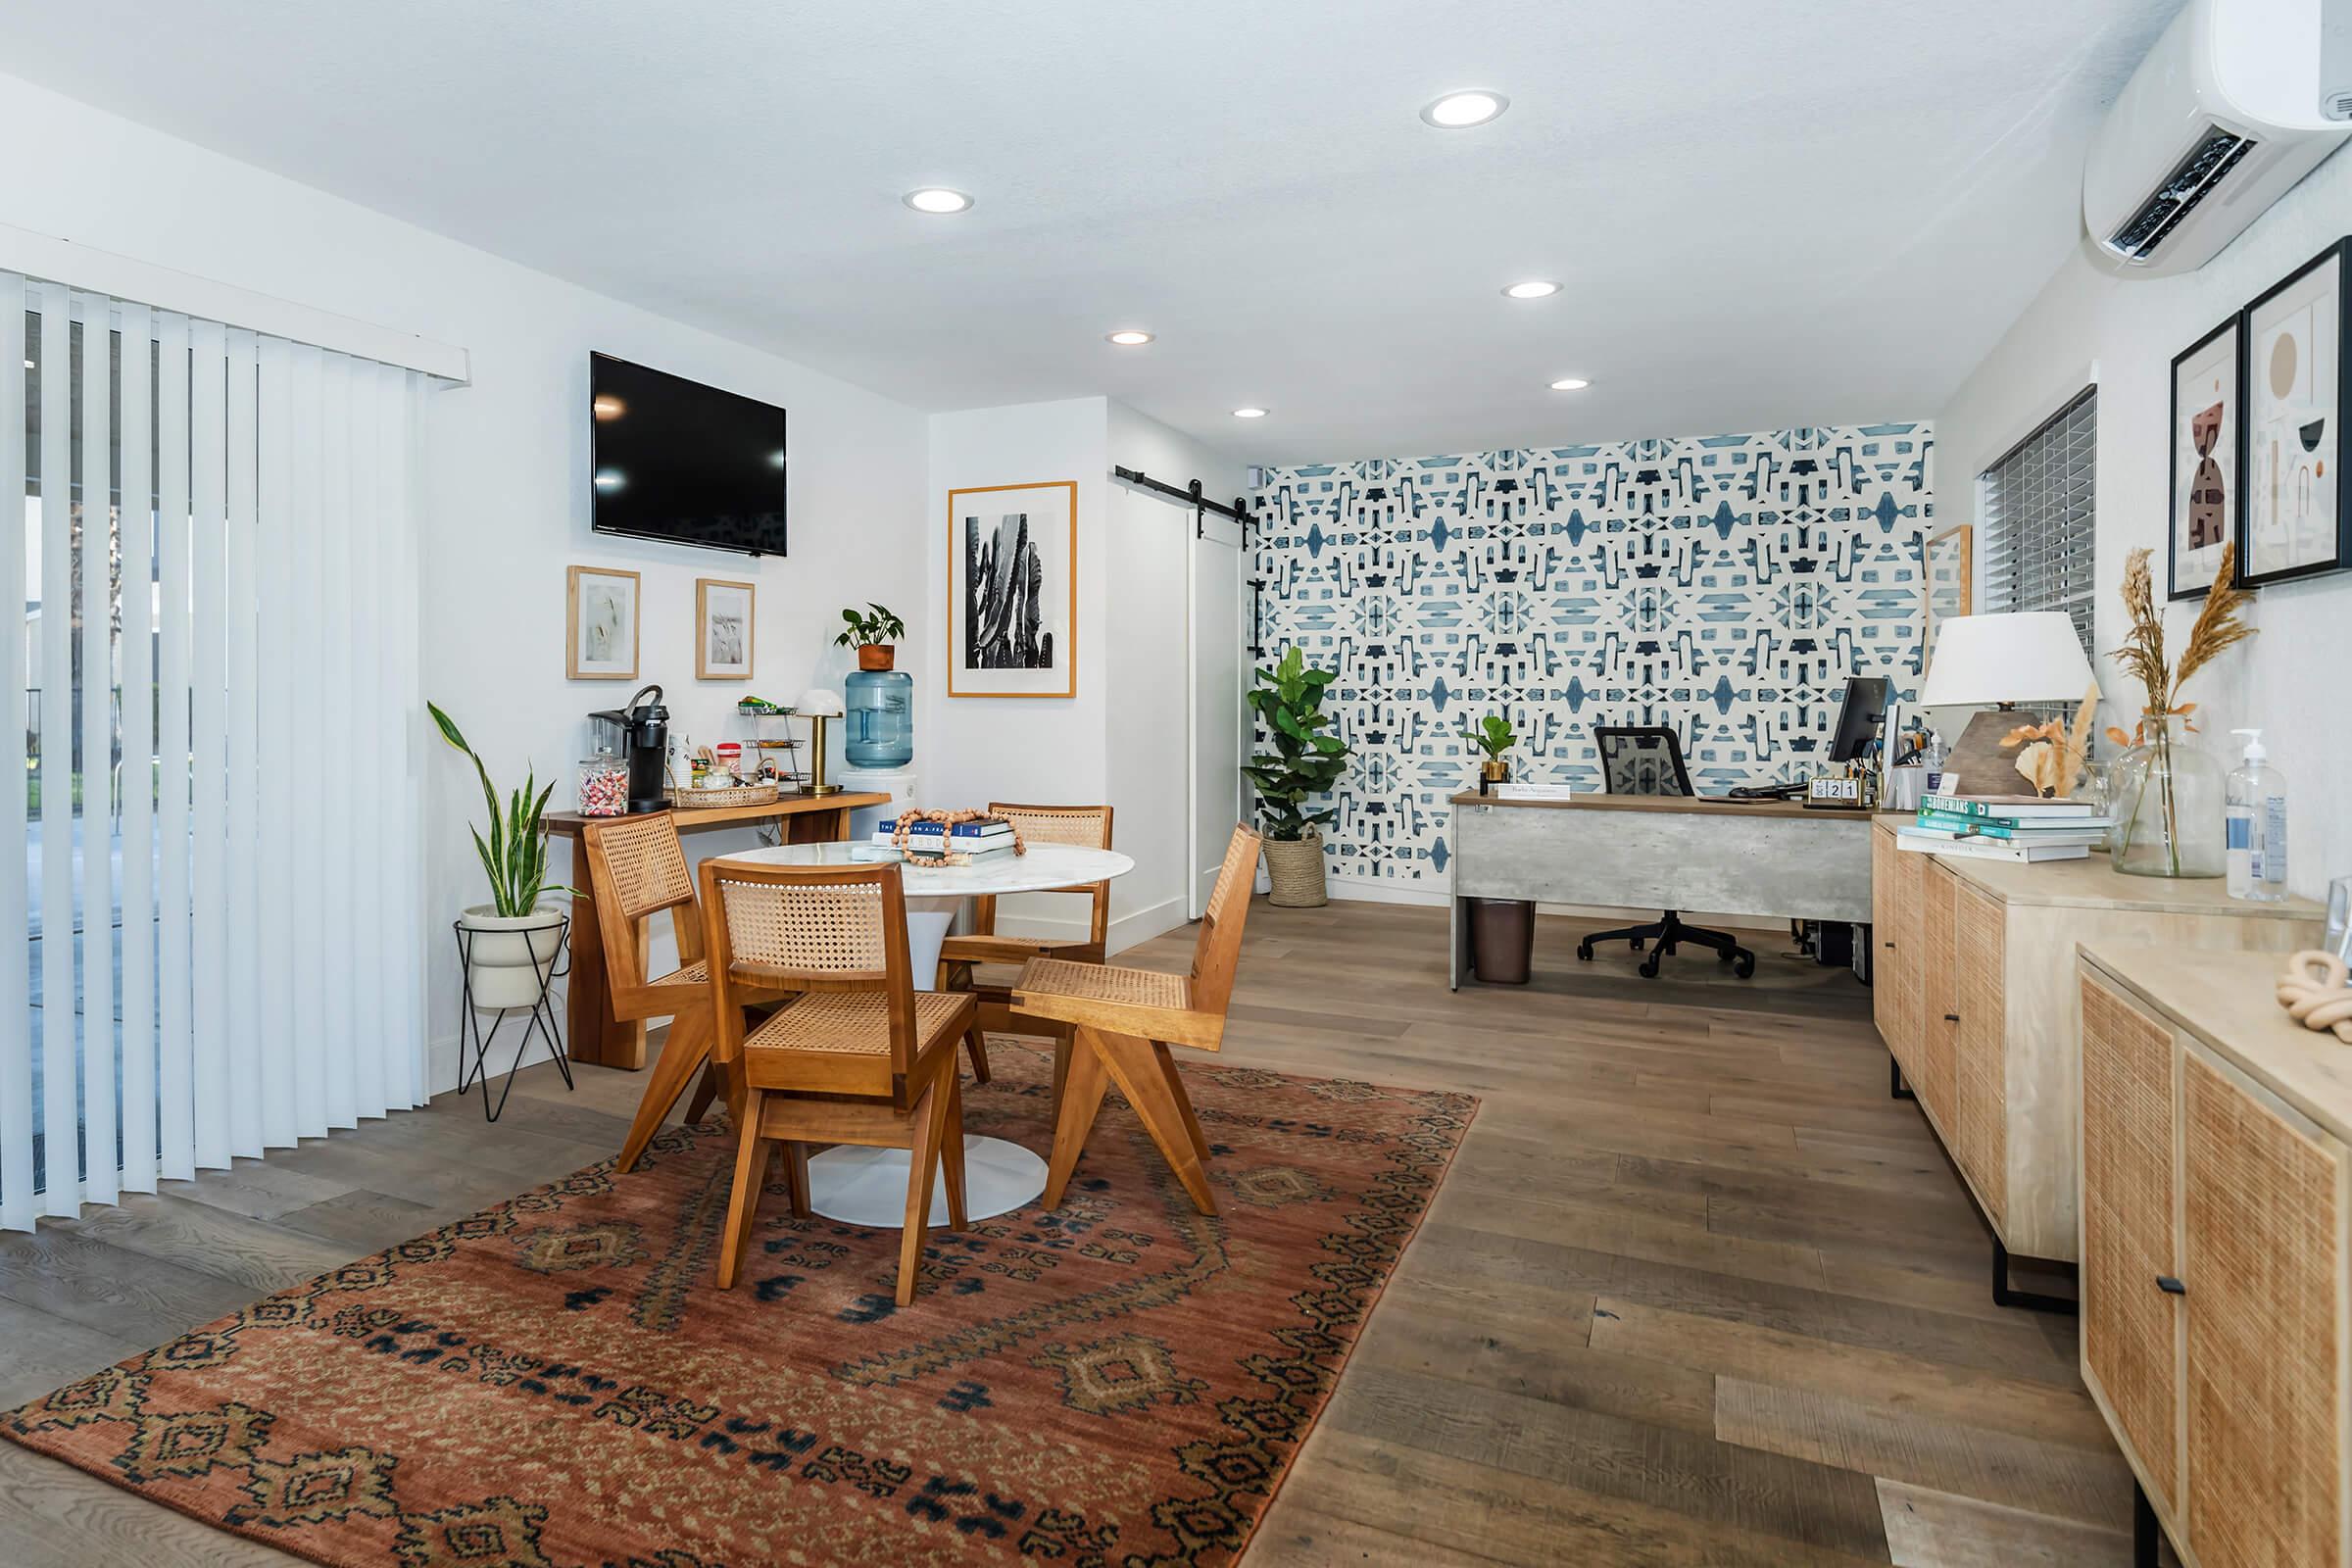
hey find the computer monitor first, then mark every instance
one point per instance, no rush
(1860, 716)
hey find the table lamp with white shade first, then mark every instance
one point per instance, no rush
(817, 705)
(2001, 660)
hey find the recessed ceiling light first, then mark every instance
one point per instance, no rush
(1248, 414)
(1570, 383)
(1459, 111)
(1533, 289)
(1128, 338)
(937, 199)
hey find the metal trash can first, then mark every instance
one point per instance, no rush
(1503, 940)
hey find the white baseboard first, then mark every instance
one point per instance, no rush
(1135, 927)
(441, 1053)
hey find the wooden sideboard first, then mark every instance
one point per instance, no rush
(1974, 992)
(592, 1033)
(2214, 1249)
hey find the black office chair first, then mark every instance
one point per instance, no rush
(1648, 760)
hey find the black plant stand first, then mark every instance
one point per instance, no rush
(541, 1020)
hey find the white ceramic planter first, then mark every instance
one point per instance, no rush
(512, 954)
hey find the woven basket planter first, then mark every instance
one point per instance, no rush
(1297, 868)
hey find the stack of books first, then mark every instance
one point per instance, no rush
(2004, 827)
(987, 837)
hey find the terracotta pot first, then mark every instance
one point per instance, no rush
(876, 655)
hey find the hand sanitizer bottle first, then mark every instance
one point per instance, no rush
(2256, 816)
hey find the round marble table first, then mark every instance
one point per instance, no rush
(868, 1186)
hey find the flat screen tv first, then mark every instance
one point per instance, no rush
(678, 461)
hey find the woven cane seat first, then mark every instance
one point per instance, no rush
(840, 1039)
(1134, 1001)
(697, 973)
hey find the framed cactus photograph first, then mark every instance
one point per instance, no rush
(1013, 590)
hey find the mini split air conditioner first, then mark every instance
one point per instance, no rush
(2238, 100)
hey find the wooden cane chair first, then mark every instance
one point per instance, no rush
(638, 871)
(1088, 828)
(1124, 1020)
(860, 1057)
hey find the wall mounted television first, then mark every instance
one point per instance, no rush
(677, 460)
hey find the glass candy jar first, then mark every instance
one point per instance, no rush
(2166, 795)
(604, 785)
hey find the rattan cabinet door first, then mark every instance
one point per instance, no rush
(2130, 1321)
(2265, 1282)
(1939, 892)
(1979, 1129)
(1894, 921)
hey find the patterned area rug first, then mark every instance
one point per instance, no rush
(556, 1382)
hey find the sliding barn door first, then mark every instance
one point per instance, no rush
(1213, 609)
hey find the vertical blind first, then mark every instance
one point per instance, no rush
(2039, 503)
(214, 776)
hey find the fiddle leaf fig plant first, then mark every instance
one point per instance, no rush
(1494, 736)
(1305, 761)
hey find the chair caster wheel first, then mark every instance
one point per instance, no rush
(1584, 950)
(1637, 944)
(1649, 967)
(1743, 965)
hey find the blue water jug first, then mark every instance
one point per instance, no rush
(880, 728)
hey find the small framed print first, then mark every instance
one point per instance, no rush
(2208, 497)
(2298, 516)
(722, 629)
(599, 624)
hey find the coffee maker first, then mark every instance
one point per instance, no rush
(639, 734)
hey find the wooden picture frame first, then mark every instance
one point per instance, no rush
(2297, 518)
(1947, 564)
(2207, 486)
(1031, 648)
(600, 612)
(724, 624)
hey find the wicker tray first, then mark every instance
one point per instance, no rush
(740, 795)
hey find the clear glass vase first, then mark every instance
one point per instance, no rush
(2166, 795)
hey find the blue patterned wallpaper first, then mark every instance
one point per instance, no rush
(1723, 585)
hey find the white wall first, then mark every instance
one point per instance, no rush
(1122, 738)
(2087, 326)
(508, 501)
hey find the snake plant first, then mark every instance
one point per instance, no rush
(514, 855)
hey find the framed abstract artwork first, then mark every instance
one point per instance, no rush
(722, 629)
(2208, 454)
(600, 623)
(1013, 590)
(2295, 519)
(1951, 564)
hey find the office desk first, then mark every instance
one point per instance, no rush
(1696, 853)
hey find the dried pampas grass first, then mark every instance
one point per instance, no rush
(2142, 653)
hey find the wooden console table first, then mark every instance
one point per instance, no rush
(595, 1035)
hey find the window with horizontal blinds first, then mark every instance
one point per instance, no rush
(2037, 506)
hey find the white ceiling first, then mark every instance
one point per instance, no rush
(1764, 215)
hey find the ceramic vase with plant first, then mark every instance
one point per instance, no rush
(511, 942)
(1303, 765)
(1495, 737)
(873, 632)
(2165, 795)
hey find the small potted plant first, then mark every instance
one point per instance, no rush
(1305, 763)
(514, 942)
(1494, 736)
(872, 633)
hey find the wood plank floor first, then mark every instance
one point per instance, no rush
(1696, 1292)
